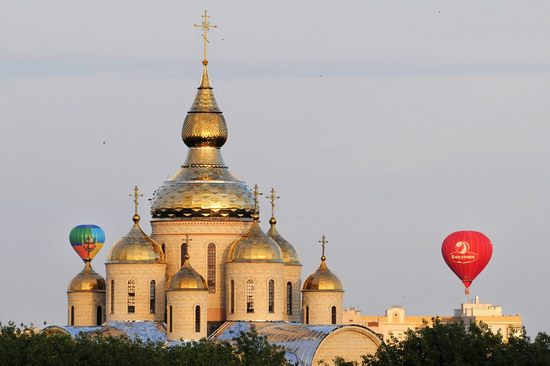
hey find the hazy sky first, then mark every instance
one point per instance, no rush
(385, 125)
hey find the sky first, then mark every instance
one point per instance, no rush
(384, 125)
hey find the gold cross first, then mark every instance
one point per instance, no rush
(323, 242)
(186, 241)
(272, 198)
(256, 194)
(136, 196)
(205, 26)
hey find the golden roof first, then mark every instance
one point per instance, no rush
(87, 280)
(186, 279)
(255, 246)
(323, 279)
(136, 246)
(203, 187)
(290, 255)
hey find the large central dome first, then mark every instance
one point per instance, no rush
(204, 186)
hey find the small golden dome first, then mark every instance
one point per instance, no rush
(186, 279)
(323, 280)
(87, 280)
(290, 255)
(136, 246)
(255, 246)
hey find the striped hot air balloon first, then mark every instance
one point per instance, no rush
(87, 240)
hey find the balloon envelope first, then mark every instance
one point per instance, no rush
(467, 253)
(87, 240)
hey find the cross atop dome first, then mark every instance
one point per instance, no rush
(323, 242)
(205, 26)
(136, 196)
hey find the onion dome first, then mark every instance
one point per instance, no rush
(255, 246)
(136, 247)
(87, 280)
(323, 279)
(203, 187)
(186, 279)
(290, 255)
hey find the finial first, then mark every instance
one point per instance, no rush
(136, 196)
(272, 199)
(205, 26)
(256, 213)
(323, 242)
(186, 241)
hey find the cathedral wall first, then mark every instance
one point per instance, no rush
(260, 273)
(293, 273)
(320, 305)
(201, 233)
(84, 305)
(183, 319)
(350, 343)
(142, 274)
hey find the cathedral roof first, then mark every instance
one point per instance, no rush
(87, 280)
(290, 255)
(255, 246)
(186, 279)
(323, 279)
(136, 247)
(203, 187)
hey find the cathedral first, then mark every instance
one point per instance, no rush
(208, 268)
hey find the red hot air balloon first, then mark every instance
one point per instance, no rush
(467, 253)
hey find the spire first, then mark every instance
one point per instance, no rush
(272, 198)
(256, 213)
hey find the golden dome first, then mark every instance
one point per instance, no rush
(203, 187)
(255, 246)
(87, 280)
(290, 255)
(186, 279)
(323, 280)
(136, 246)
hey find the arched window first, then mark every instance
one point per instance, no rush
(307, 314)
(212, 267)
(131, 296)
(72, 315)
(99, 316)
(232, 297)
(183, 252)
(112, 296)
(197, 319)
(152, 296)
(250, 296)
(289, 298)
(333, 315)
(163, 246)
(271, 296)
(170, 320)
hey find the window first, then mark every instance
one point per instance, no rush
(163, 246)
(183, 252)
(99, 316)
(152, 296)
(289, 298)
(212, 267)
(197, 319)
(112, 296)
(271, 296)
(72, 315)
(250, 296)
(307, 314)
(170, 316)
(333, 315)
(232, 297)
(131, 296)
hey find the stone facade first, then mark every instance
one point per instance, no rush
(350, 343)
(317, 307)
(85, 308)
(171, 234)
(119, 308)
(184, 319)
(293, 274)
